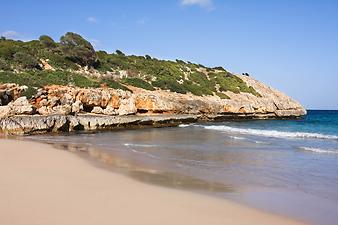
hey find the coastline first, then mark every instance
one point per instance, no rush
(39, 124)
(41, 185)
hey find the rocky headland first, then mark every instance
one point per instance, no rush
(58, 108)
(48, 86)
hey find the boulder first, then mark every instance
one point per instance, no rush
(62, 110)
(127, 107)
(44, 110)
(110, 111)
(10, 92)
(57, 110)
(5, 111)
(22, 106)
(77, 106)
(45, 65)
(97, 110)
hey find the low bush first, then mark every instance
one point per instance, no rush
(169, 84)
(114, 84)
(222, 95)
(137, 82)
(4, 65)
(25, 60)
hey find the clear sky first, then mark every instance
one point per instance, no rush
(291, 45)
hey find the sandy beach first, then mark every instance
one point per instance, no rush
(43, 186)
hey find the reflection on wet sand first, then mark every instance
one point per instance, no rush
(144, 174)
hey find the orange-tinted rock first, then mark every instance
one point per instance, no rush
(114, 102)
(144, 104)
(64, 100)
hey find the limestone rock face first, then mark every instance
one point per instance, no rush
(5, 111)
(97, 110)
(127, 107)
(62, 110)
(10, 92)
(45, 65)
(272, 100)
(94, 100)
(110, 111)
(37, 124)
(20, 106)
(77, 106)
(65, 100)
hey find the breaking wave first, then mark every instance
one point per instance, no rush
(272, 133)
(319, 150)
(184, 125)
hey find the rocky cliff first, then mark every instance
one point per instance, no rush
(65, 108)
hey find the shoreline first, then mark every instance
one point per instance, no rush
(61, 188)
(38, 124)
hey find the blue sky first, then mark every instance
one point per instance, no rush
(290, 45)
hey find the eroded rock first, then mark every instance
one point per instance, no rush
(5, 111)
(97, 110)
(10, 92)
(127, 107)
(110, 111)
(59, 102)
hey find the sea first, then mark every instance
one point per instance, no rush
(287, 167)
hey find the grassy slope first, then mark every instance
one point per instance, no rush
(19, 63)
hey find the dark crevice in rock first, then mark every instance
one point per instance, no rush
(142, 111)
(78, 127)
(88, 108)
(65, 127)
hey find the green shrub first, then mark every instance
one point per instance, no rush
(4, 65)
(119, 52)
(27, 61)
(222, 95)
(180, 61)
(196, 89)
(168, 84)
(203, 81)
(137, 82)
(114, 84)
(58, 61)
(142, 71)
(47, 42)
(7, 49)
(29, 92)
(81, 81)
(219, 68)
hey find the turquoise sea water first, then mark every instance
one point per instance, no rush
(289, 167)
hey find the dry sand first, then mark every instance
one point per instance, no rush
(40, 185)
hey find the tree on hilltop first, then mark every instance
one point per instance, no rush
(47, 41)
(77, 49)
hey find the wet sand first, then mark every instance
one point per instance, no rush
(43, 186)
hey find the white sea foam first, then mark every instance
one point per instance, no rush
(271, 133)
(320, 150)
(184, 125)
(139, 145)
(237, 138)
(261, 142)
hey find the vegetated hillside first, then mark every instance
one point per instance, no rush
(73, 61)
